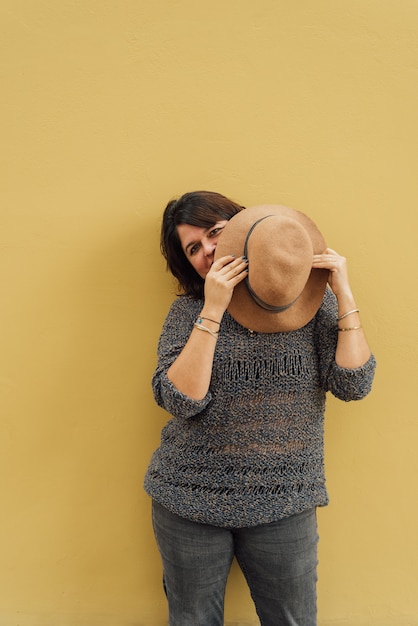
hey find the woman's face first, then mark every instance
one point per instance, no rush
(199, 244)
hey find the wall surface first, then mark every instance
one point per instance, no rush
(108, 109)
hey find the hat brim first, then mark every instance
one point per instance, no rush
(243, 307)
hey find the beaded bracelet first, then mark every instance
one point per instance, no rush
(348, 313)
(200, 318)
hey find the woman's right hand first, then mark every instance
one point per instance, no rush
(191, 372)
(225, 273)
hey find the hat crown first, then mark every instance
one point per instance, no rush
(279, 251)
(282, 292)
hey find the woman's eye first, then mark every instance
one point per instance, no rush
(215, 231)
(194, 249)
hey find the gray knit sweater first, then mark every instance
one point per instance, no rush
(252, 451)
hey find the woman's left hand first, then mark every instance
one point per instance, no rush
(338, 273)
(352, 347)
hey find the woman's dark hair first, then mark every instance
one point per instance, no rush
(197, 208)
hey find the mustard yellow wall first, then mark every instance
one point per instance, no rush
(109, 108)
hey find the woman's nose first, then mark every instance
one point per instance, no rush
(209, 247)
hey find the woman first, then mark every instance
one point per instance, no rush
(245, 358)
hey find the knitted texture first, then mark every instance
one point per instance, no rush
(252, 451)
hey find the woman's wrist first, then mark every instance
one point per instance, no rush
(211, 315)
(200, 326)
(345, 301)
(202, 318)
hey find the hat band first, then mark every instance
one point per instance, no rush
(263, 305)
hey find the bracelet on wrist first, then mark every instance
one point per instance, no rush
(200, 318)
(347, 314)
(200, 326)
(349, 328)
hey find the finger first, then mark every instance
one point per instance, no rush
(238, 263)
(321, 259)
(238, 277)
(223, 261)
(231, 270)
(234, 266)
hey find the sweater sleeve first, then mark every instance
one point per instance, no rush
(344, 383)
(175, 333)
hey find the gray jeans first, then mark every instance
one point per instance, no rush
(278, 560)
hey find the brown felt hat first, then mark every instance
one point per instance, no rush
(282, 291)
